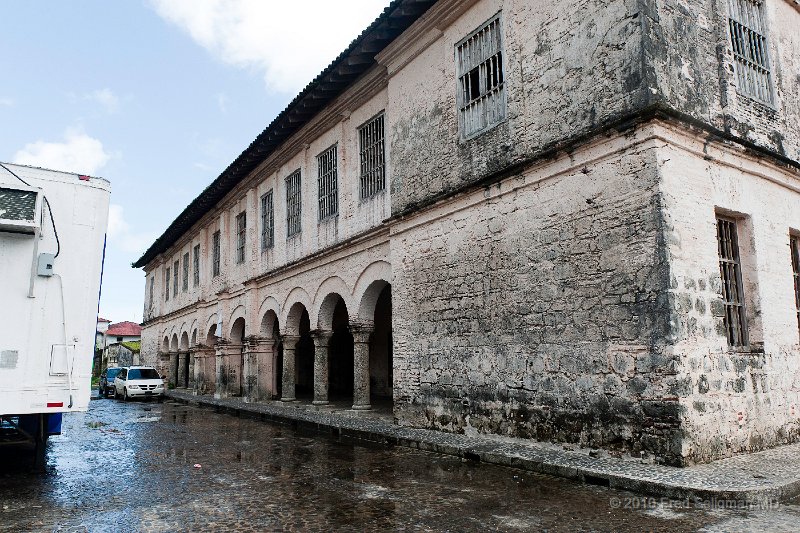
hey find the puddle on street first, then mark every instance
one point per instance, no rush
(166, 467)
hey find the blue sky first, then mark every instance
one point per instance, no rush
(157, 96)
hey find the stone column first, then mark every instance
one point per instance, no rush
(221, 382)
(260, 369)
(179, 378)
(322, 340)
(289, 346)
(234, 354)
(204, 369)
(192, 365)
(361, 335)
(172, 375)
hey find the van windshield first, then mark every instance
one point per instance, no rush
(143, 373)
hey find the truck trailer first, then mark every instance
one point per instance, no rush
(52, 246)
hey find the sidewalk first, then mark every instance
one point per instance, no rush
(754, 479)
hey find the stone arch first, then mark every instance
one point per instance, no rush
(184, 344)
(237, 333)
(193, 333)
(183, 329)
(239, 312)
(269, 313)
(324, 303)
(211, 336)
(269, 322)
(194, 337)
(368, 288)
(173, 346)
(165, 343)
(297, 302)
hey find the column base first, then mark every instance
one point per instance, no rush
(366, 407)
(288, 399)
(320, 402)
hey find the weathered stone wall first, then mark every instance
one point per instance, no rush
(538, 308)
(691, 65)
(732, 400)
(569, 67)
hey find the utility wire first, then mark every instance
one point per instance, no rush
(49, 210)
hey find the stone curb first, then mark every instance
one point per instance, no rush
(758, 479)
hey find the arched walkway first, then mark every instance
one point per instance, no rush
(298, 355)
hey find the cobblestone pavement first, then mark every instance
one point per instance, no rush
(131, 467)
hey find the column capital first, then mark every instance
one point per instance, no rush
(361, 331)
(290, 341)
(321, 337)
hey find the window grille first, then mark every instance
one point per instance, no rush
(373, 157)
(732, 290)
(152, 289)
(215, 239)
(166, 285)
(795, 245)
(294, 204)
(196, 265)
(241, 235)
(185, 286)
(748, 32)
(481, 79)
(267, 221)
(327, 183)
(175, 273)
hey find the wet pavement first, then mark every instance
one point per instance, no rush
(131, 467)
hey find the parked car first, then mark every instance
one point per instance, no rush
(138, 382)
(106, 387)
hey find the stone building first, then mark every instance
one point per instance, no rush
(563, 221)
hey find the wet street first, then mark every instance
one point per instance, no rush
(131, 467)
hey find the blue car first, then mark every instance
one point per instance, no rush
(106, 387)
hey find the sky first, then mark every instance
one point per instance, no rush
(156, 96)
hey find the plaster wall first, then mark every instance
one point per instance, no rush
(732, 400)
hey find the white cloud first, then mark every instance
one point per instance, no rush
(6, 102)
(123, 236)
(106, 98)
(288, 42)
(222, 102)
(77, 153)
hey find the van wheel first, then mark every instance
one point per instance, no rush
(116, 394)
(125, 396)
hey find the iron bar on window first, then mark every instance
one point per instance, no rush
(267, 222)
(241, 236)
(175, 267)
(327, 183)
(373, 157)
(747, 29)
(216, 254)
(196, 265)
(166, 285)
(294, 204)
(732, 289)
(185, 285)
(795, 245)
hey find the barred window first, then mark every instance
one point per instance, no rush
(267, 221)
(216, 253)
(175, 268)
(732, 290)
(294, 204)
(241, 236)
(795, 245)
(166, 285)
(196, 265)
(152, 288)
(185, 286)
(327, 183)
(481, 79)
(373, 157)
(748, 31)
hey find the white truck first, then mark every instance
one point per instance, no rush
(52, 247)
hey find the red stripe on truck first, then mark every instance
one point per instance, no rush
(55, 404)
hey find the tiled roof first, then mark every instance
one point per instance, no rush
(124, 329)
(101, 319)
(329, 84)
